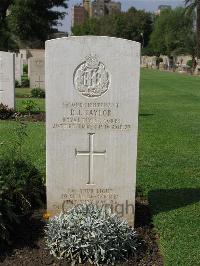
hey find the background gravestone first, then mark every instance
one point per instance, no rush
(7, 79)
(18, 67)
(36, 67)
(92, 86)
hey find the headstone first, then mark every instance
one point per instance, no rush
(18, 67)
(165, 61)
(161, 66)
(154, 65)
(197, 69)
(144, 61)
(183, 59)
(7, 79)
(24, 56)
(92, 87)
(35, 53)
(36, 67)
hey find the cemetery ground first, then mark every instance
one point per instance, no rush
(168, 175)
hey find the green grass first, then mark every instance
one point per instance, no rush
(33, 146)
(40, 103)
(24, 94)
(168, 159)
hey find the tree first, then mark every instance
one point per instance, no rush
(191, 6)
(33, 21)
(172, 31)
(133, 25)
(7, 41)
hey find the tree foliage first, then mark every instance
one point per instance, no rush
(132, 25)
(192, 5)
(173, 31)
(30, 22)
(6, 39)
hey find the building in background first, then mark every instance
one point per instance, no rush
(78, 15)
(98, 8)
(95, 8)
(160, 8)
(113, 7)
(87, 7)
(104, 7)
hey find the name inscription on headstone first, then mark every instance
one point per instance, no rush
(93, 116)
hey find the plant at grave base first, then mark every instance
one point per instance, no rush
(91, 234)
(30, 106)
(5, 112)
(189, 63)
(37, 93)
(17, 84)
(25, 83)
(21, 190)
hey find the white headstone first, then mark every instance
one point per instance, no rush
(24, 56)
(18, 67)
(92, 86)
(7, 79)
(36, 67)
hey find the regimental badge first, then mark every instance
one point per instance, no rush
(91, 78)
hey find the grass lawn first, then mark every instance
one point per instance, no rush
(168, 159)
(33, 146)
(24, 94)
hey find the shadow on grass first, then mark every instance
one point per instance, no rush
(164, 200)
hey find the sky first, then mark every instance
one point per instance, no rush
(148, 5)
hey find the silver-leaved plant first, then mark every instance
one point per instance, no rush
(88, 233)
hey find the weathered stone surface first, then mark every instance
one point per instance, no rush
(92, 87)
(7, 79)
(36, 67)
(18, 67)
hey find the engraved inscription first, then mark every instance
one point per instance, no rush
(91, 153)
(97, 196)
(92, 116)
(91, 78)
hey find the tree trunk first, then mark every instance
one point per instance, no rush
(198, 30)
(197, 69)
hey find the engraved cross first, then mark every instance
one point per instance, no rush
(91, 153)
(39, 81)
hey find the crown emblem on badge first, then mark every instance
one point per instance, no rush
(92, 61)
(91, 78)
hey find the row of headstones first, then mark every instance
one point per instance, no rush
(36, 67)
(36, 70)
(35, 59)
(167, 63)
(11, 69)
(92, 99)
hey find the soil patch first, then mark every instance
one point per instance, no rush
(29, 247)
(36, 117)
